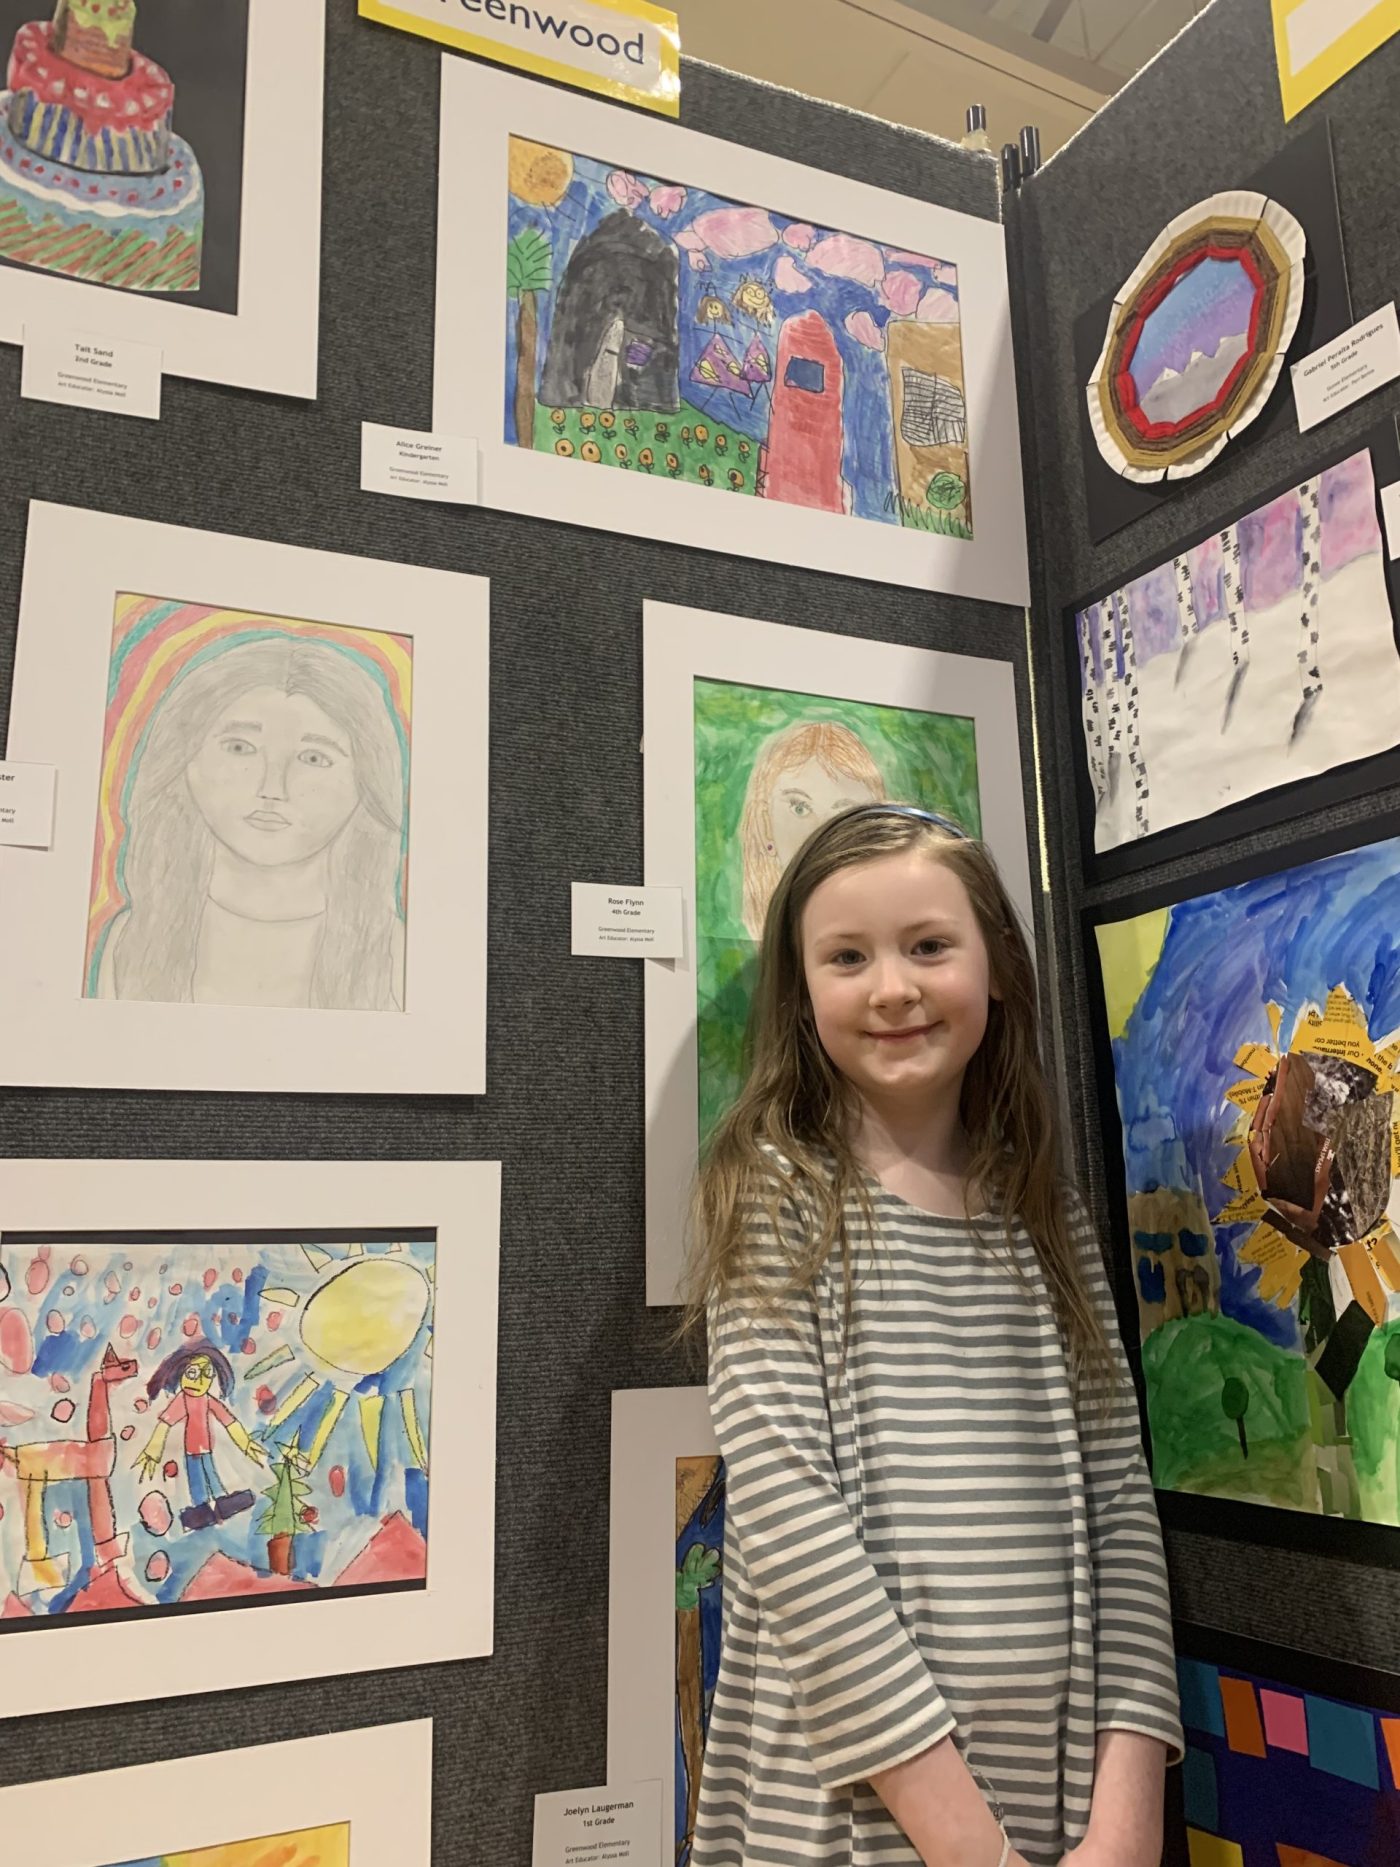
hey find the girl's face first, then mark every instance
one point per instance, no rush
(899, 977)
(198, 1376)
(274, 778)
(803, 798)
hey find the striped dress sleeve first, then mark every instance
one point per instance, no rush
(864, 1696)
(1136, 1664)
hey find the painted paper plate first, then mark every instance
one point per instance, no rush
(1197, 337)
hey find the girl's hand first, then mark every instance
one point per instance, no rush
(1090, 1854)
(147, 1464)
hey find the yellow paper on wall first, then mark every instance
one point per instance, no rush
(1212, 1851)
(624, 49)
(1320, 41)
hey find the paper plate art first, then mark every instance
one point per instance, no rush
(1197, 337)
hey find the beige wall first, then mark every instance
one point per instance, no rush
(894, 61)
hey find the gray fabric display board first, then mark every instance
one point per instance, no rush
(564, 1109)
(1204, 117)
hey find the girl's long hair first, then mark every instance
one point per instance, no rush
(787, 1139)
(841, 754)
(169, 856)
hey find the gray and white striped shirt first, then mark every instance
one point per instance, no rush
(925, 1540)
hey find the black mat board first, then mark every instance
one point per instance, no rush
(1204, 116)
(1301, 178)
(564, 1108)
(1240, 1523)
(1286, 803)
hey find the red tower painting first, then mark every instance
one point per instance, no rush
(803, 455)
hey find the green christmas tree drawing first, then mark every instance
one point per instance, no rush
(283, 1519)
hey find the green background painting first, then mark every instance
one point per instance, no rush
(924, 758)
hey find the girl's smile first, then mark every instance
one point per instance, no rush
(898, 976)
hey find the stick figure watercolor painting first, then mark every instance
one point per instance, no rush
(197, 1418)
(252, 829)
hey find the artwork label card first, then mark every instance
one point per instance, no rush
(599, 1827)
(1362, 360)
(626, 922)
(410, 465)
(89, 369)
(26, 804)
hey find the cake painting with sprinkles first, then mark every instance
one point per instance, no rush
(94, 182)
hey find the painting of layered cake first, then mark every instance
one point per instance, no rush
(94, 182)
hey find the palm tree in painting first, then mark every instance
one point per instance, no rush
(539, 178)
(529, 271)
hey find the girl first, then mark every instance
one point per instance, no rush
(189, 1375)
(947, 1635)
(801, 774)
(265, 838)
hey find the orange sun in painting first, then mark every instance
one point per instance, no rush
(1319, 1147)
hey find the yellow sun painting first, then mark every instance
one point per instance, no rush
(1368, 1261)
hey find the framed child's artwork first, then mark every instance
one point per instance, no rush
(160, 180)
(653, 331)
(248, 1416)
(1292, 1759)
(347, 1798)
(1249, 676)
(268, 867)
(755, 733)
(1248, 1044)
(665, 1597)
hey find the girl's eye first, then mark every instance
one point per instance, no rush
(848, 957)
(799, 808)
(930, 947)
(239, 748)
(311, 757)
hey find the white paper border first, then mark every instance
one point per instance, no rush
(378, 1780)
(481, 109)
(450, 1618)
(681, 645)
(651, 1429)
(270, 343)
(76, 561)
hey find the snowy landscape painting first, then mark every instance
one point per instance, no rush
(1263, 654)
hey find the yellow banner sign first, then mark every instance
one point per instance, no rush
(1320, 41)
(625, 49)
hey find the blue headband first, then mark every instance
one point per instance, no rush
(903, 810)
